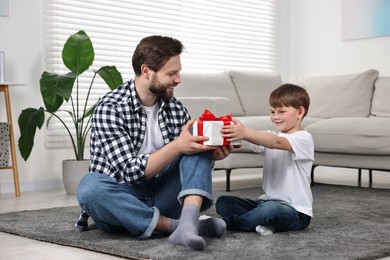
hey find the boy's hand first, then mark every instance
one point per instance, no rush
(233, 132)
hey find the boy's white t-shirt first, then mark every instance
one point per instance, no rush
(287, 175)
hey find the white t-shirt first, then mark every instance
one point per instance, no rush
(153, 140)
(286, 175)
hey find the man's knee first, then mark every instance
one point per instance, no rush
(88, 187)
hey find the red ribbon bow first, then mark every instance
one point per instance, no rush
(208, 116)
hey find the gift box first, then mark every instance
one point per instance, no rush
(210, 126)
(4, 144)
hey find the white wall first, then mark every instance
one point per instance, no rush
(22, 42)
(311, 45)
(316, 46)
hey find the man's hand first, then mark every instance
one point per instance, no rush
(221, 152)
(189, 144)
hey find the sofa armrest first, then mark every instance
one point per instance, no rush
(219, 106)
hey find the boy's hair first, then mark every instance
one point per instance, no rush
(290, 95)
(155, 51)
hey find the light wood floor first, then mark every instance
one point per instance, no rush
(15, 247)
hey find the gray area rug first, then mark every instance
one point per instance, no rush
(349, 223)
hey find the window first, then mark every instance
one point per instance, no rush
(217, 35)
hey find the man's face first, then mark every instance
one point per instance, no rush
(166, 79)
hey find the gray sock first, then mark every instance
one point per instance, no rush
(211, 227)
(186, 233)
(208, 226)
(174, 224)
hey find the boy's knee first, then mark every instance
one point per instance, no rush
(220, 204)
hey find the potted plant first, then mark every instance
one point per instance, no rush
(77, 55)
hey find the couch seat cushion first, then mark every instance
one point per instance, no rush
(350, 135)
(340, 95)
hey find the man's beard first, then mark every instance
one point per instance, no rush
(159, 89)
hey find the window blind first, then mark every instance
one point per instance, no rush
(217, 35)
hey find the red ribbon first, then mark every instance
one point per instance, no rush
(208, 116)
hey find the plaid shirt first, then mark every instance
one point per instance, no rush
(118, 130)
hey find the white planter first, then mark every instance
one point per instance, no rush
(72, 173)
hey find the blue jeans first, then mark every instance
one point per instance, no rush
(136, 208)
(245, 214)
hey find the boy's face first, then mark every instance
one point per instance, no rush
(287, 119)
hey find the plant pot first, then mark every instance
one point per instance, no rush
(72, 173)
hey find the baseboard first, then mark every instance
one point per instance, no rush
(27, 186)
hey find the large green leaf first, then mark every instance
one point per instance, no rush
(55, 88)
(29, 120)
(78, 53)
(111, 76)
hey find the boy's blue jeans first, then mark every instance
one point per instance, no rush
(245, 214)
(136, 208)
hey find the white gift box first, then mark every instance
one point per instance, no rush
(212, 129)
(4, 144)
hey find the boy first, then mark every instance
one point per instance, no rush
(289, 155)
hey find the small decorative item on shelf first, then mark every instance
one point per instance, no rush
(4, 144)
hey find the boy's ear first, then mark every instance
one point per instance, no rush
(301, 111)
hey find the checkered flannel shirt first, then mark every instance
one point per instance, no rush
(117, 133)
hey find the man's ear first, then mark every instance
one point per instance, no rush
(145, 71)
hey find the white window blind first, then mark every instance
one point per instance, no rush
(217, 35)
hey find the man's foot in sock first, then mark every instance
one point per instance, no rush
(188, 237)
(211, 227)
(265, 230)
(186, 233)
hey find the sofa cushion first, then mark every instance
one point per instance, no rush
(256, 122)
(196, 105)
(352, 135)
(340, 95)
(209, 84)
(380, 100)
(253, 89)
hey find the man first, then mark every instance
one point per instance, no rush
(147, 172)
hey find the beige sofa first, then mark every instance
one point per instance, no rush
(348, 117)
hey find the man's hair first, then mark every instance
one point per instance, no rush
(155, 51)
(290, 95)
